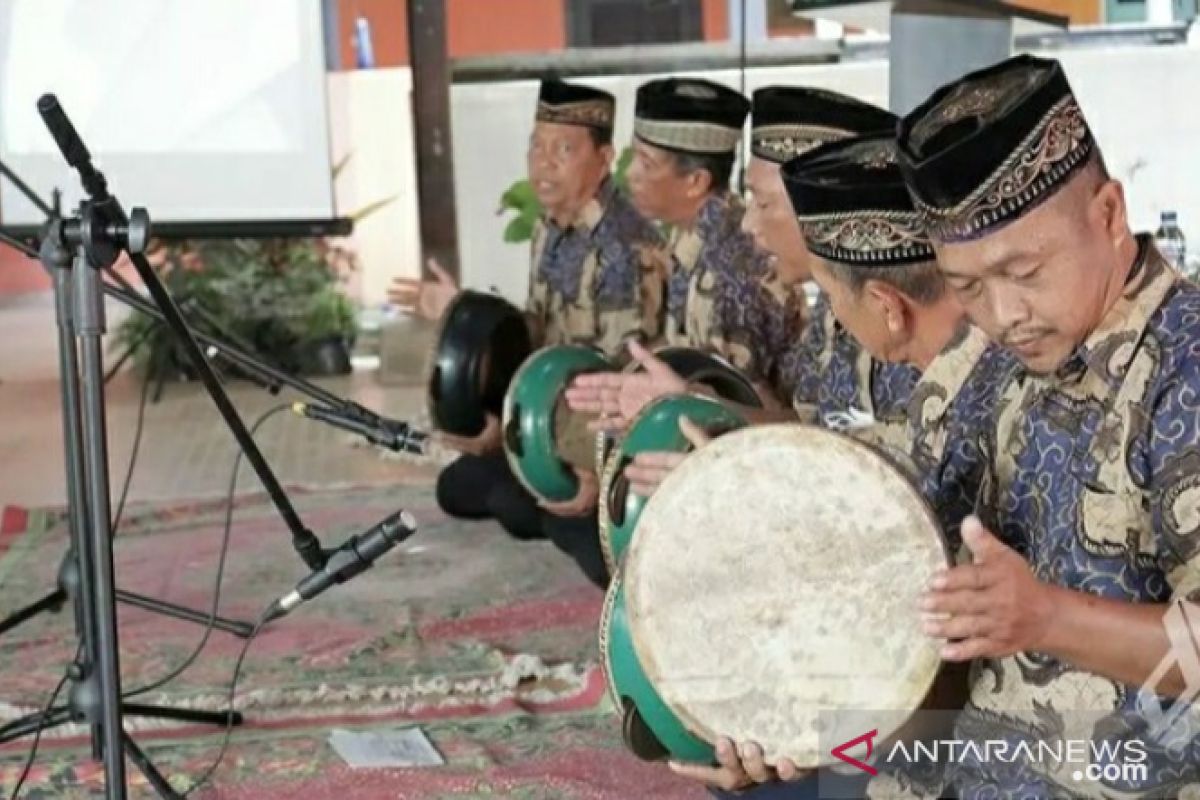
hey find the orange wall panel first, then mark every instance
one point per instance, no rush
(715, 17)
(1081, 12)
(19, 274)
(389, 30)
(487, 27)
(474, 28)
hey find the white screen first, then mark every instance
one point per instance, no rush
(195, 110)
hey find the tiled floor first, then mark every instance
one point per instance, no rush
(186, 449)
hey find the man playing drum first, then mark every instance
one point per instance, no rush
(596, 278)
(1092, 499)
(1090, 556)
(873, 261)
(722, 294)
(825, 370)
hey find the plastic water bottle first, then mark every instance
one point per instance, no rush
(362, 43)
(1170, 241)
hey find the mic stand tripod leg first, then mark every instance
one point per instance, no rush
(240, 629)
(147, 768)
(51, 602)
(68, 588)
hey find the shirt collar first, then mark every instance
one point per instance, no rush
(1109, 350)
(589, 217)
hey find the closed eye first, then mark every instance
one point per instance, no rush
(967, 288)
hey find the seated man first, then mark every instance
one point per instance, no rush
(1091, 550)
(886, 290)
(722, 295)
(596, 278)
(822, 374)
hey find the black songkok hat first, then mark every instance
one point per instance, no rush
(988, 148)
(787, 121)
(575, 104)
(690, 115)
(853, 206)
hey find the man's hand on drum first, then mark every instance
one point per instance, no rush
(585, 500)
(648, 470)
(617, 396)
(488, 440)
(739, 767)
(428, 299)
(990, 608)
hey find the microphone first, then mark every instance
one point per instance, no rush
(72, 147)
(355, 555)
(383, 432)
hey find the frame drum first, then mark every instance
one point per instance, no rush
(481, 340)
(655, 429)
(543, 438)
(773, 583)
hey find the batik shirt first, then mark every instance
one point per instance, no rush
(949, 419)
(723, 296)
(1095, 479)
(598, 281)
(833, 382)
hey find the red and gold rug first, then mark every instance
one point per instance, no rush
(487, 644)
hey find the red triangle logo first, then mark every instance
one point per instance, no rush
(840, 751)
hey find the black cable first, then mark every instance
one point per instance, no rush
(37, 736)
(133, 456)
(212, 614)
(237, 669)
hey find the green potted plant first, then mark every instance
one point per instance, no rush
(279, 299)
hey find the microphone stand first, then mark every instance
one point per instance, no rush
(75, 251)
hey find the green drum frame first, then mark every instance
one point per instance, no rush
(650, 730)
(655, 429)
(529, 418)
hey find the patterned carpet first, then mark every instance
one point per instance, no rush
(485, 643)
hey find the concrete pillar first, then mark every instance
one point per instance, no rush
(933, 43)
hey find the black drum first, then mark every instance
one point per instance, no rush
(481, 341)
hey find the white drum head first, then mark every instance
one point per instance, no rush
(774, 578)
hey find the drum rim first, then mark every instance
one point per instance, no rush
(610, 468)
(514, 462)
(629, 567)
(719, 362)
(434, 358)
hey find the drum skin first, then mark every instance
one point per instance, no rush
(655, 429)
(481, 341)
(772, 588)
(543, 439)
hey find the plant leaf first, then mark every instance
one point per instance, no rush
(371, 208)
(518, 230)
(519, 197)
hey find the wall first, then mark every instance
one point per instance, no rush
(371, 122)
(481, 27)
(19, 274)
(1080, 12)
